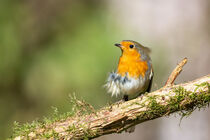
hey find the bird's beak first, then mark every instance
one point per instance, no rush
(118, 45)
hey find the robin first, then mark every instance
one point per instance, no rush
(134, 73)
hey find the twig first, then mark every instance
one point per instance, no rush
(175, 72)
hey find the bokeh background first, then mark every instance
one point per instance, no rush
(52, 48)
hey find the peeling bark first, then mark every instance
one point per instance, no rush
(116, 118)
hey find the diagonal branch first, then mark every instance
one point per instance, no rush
(175, 72)
(115, 118)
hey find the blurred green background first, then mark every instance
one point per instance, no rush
(50, 49)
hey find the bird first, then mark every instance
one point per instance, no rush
(134, 74)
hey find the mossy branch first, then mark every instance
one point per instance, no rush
(183, 98)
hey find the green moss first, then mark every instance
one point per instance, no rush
(184, 101)
(191, 100)
(71, 129)
(79, 107)
(49, 134)
(24, 129)
(87, 133)
(155, 109)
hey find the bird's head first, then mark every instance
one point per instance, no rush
(130, 47)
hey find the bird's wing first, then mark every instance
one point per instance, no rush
(150, 82)
(146, 49)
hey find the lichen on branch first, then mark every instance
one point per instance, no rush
(87, 123)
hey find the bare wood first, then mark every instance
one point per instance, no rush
(118, 117)
(176, 72)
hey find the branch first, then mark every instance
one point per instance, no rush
(115, 118)
(175, 72)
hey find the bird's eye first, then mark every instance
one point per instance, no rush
(131, 46)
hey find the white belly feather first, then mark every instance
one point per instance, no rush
(116, 84)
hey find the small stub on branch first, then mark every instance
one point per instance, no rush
(175, 72)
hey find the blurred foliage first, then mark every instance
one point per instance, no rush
(50, 49)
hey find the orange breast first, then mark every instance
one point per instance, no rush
(133, 65)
